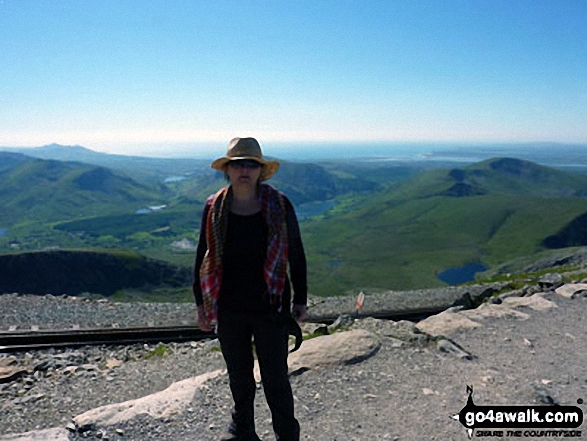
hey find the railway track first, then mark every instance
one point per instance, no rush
(28, 340)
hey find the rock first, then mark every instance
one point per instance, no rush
(8, 361)
(465, 301)
(44, 365)
(450, 347)
(500, 298)
(402, 330)
(341, 348)
(446, 323)
(70, 370)
(55, 434)
(347, 347)
(571, 290)
(487, 311)
(11, 373)
(536, 302)
(528, 343)
(343, 322)
(479, 293)
(170, 401)
(551, 281)
(112, 363)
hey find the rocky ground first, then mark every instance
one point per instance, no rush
(530, 350)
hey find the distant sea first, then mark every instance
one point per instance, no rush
(552, 154)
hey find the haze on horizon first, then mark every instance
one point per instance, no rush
(132, 76)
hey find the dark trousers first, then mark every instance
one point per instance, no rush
(271, 339)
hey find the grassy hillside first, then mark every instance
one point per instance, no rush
(403, 237)
(55, 190)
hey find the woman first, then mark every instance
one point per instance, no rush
(249, 234)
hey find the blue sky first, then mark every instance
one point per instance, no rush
(125, 76)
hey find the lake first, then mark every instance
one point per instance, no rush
(464, 274)
(175, 179)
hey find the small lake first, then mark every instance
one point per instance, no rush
(464, 274)
(175, 179)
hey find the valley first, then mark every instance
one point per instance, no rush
(367, 225)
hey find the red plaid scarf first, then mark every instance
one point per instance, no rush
(273, 209)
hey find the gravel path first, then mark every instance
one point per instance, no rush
(404, 392)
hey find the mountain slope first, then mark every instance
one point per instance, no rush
(403, 237)
(49, 190)
(147, 168)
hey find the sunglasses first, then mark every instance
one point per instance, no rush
(245, 163)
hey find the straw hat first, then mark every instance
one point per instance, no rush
(246, 148)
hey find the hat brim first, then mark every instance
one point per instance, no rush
(267, 171)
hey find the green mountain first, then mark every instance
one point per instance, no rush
(47, 190)
(403, 237)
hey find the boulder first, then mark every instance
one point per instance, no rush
(571, 290)
(446, 323)
(536, 302)
(170, 401)
(331, 350)
(551, 281)
(491, 311)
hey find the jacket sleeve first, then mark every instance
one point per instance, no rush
(200, 253)
(297, 257)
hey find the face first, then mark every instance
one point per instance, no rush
(244, 172)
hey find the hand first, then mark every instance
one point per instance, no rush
(300, 312)
(203, 322)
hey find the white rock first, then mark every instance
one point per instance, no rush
(570, 290)
(487, 311)
(331, 350)
(446, 323)
(536, 302)
(164, 404)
